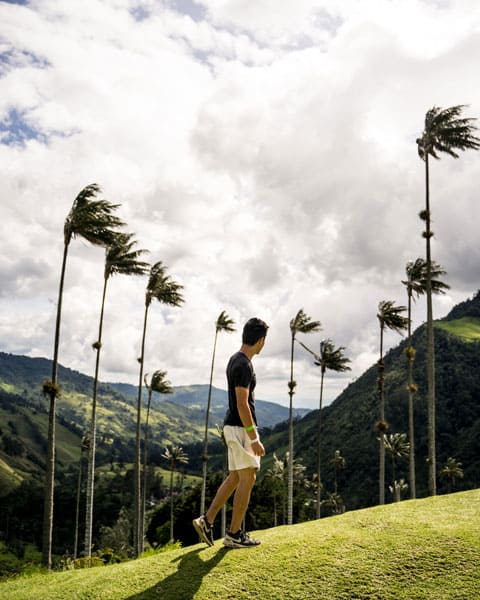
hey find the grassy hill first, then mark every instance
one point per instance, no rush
(415, 550)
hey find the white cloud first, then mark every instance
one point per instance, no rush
(264, 152)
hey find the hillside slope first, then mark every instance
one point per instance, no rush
(414, 550)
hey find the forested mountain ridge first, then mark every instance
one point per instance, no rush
(348, 424)
(175, 418)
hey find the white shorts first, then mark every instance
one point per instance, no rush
(240, 453)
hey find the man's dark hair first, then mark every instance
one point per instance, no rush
(253, 330)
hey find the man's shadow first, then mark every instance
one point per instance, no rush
(184, 583)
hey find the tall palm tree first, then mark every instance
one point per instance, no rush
(451, 471)
(160, 287)
(329, 358)
(397, 446)
(223, 323)
(120, 258)
(276, 478)
(338, 463)
(93, 220)
(301, 323)
(389, 317)
(175, 455)
(445, 131)
(416, 286)
(159, 384)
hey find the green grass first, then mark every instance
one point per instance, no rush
(423, 549)
(468, 328)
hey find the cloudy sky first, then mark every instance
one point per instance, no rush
(263, 150)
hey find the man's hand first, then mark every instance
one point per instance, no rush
(258, 448)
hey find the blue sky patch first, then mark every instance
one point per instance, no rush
(15, 130)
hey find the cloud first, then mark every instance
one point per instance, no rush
(265, 153)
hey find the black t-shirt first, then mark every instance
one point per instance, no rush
(240, 373)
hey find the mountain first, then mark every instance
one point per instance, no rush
(348, 424)
(194, 399)
(178, 418)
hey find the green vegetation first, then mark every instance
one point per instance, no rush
(414, 550)
(467, 328)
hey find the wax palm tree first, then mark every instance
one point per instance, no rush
(335, 502)
(160, 287)
(301, 323)
(397, 446)
(93, 220)
(159, 384)
(276, 477)
(451, 471)
(329, 358)
(223, 323)
(120, 258)
(175, 455)
(397, 489)
(416, 284)
(445, 131)
(389, 317)
(338, 463)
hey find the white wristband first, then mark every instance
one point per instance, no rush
(257, 439)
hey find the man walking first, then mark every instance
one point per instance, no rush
(242, 439)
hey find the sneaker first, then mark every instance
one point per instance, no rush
(204, 530)
(239, 540)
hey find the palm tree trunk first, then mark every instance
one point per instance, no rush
(394, 476)
(93, 437)
(411, 432)
(319, 427)
(50, 466)
(290, 443)
(432, 485)
(137, 536)
(171, 503)
(205, 437)
(145, 463)
(77, 509)
(381, 480)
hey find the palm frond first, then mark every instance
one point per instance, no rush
(161, 287)
(330, 357)
(446, 132)
(121, 258)
(175, 454)
(92, 219)
(390, 317)
(416, 281)
(159, 383)
(397, 444)
(224, 322)
(302, 323)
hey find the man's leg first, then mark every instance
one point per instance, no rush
(204, 523)
(246, 481)
(223, 494)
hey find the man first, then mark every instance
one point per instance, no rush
(242, 439)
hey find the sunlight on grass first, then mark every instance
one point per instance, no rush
(468, 328)
(415, 550)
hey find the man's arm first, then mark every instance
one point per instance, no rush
(245, 414)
